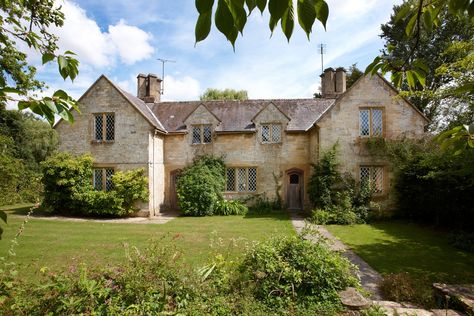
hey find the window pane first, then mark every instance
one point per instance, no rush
(241, 179)
(276, 133)
(196, 134)
(110, 127)
(364, 175)
(97, 181)
(265, 133)
(252, 179)
(207, 134)
(108, 179)
(364, 122)
(98, 124)
(230, 179)
(376, 122)
(377, 179)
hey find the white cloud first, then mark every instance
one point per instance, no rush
(83, 36)
(180, 89)
(132, 43)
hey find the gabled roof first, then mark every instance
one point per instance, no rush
(236, 116)
(378, 75)
(138, 104)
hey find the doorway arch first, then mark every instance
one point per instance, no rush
(294, 189)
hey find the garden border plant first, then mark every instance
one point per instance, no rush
(68, 188)
(338, 199)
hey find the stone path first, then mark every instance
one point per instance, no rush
(368, 276)
(160, 219)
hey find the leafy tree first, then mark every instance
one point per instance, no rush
(29, 22)
(353, 74)
(25, 141)
(434, 47)
(226, 94)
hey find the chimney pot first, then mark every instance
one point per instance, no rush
(149, 88)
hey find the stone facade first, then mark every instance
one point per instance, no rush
(158, 136)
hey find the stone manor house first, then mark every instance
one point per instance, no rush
(267, 145)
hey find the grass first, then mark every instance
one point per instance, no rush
(393, 247)
(58, 245)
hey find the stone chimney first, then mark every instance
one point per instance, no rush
(333, 82)
(149, 88)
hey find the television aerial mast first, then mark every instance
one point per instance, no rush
(163, 62)
(322, 51)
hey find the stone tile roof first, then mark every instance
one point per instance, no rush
(236, 116)
(143, 108)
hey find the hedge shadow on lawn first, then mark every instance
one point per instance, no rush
(418, 251)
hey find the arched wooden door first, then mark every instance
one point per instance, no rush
(174, 175)
(294, 189)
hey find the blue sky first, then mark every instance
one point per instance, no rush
(122, 38)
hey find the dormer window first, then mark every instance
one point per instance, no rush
(201, 134)
(104, 127)
(271, 133)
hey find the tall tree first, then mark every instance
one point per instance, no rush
(433, 46)
(226, 94)
(353, 74)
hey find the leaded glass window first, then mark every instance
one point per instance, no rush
(241, 179)
(102, 179)
(271, 133)
(201, 134)
(373, 177)
(104, 126)
(371, 122)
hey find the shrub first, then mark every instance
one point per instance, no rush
(433, 186)
(288, 270)
(68, 188)
(261, 204)
(231, 207)
(200, 186)
(324, 178)
(65, 179)
(338, 198)
(462, 240)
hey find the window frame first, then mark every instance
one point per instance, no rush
(372, 167)
(201, 128)
(103, 170)
(247, 179)
(270, 127)
(370, 109)
(104, 133)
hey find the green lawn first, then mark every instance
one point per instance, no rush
(60, 244)
(392, 247)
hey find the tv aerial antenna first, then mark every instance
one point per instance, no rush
(163, 62)
(322, 51)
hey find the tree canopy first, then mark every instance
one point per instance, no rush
(439, 47)
(29, 22)
(226, 94)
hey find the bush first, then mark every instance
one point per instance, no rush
(338, 198)
(433, 186)
(200, 186)
(462, 240)
(154, 281)
(325, 176)
(289, 270)
(68, 188)
(261, 204)
(231, 207)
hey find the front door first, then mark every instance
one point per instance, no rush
(174, 175)
(294, 198)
